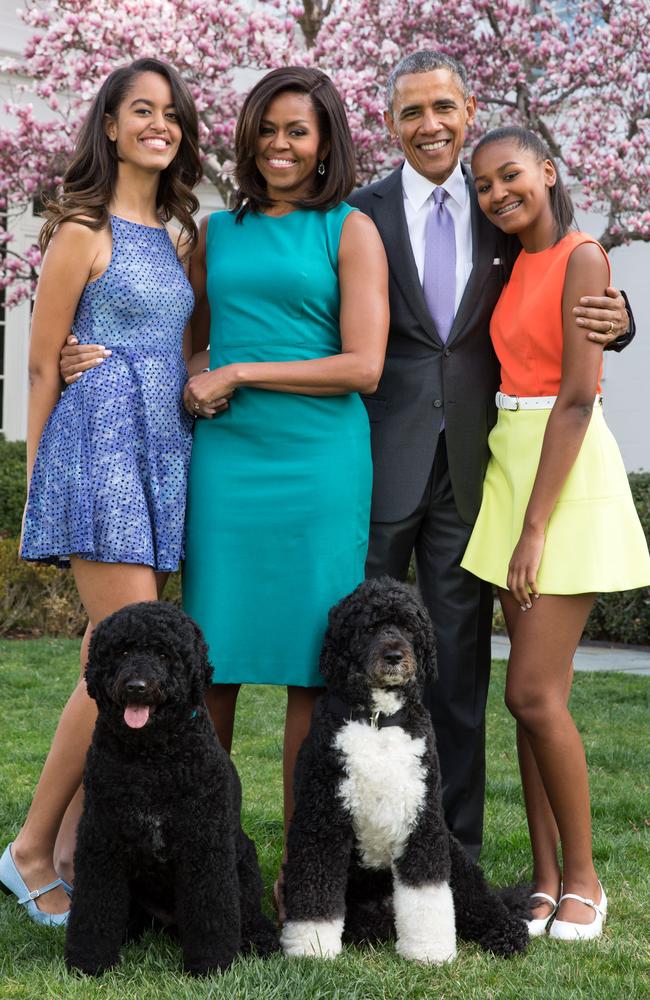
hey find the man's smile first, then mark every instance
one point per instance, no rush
(432, 147)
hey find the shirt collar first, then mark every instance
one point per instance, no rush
(417, 188)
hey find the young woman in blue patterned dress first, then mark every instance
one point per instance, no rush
(107, 460)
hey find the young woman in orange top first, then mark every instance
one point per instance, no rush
(557, 523)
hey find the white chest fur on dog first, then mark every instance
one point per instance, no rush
(383, 788)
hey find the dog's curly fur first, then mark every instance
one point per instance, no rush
(369, 855)
(160, 829)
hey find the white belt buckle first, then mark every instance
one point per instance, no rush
(504, 401)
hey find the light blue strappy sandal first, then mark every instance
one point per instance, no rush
(11, 883)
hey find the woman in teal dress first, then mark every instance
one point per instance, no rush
(294, 283)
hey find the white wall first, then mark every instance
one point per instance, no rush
(626, 384)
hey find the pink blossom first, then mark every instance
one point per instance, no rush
(566, 70)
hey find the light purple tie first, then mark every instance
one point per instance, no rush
(439, 280)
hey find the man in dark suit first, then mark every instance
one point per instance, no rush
(434, 406)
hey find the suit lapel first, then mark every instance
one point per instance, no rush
(483, 249)
(391, 219)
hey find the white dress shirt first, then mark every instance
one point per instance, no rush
(418, 202)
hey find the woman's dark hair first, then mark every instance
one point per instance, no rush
(561, 204)
(89, 181)
(330, 188)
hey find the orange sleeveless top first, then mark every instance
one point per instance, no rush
(526, 326)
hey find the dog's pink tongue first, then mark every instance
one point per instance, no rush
(136, 716)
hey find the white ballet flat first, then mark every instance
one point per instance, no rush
(538, 925)
(566, 930)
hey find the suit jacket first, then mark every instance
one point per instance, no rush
(423, 377)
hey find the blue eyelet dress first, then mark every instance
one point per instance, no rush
(110, 475)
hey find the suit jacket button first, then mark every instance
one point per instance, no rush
(437, 402)
(447, 352)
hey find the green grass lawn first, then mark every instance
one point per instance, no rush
(612, 712)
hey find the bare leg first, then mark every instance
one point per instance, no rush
(543, 645)
(544, 834)
(221, 702)
(300, 705)
(103, 588)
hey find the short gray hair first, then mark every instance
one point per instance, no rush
(425, 61)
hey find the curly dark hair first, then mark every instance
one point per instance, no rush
(89, 181)
(335, 184)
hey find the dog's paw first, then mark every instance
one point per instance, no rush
(262, 940)
(312, 938)
(505, 939)
(85, 967)
(206, 966)
(425, 922)
(427, 952)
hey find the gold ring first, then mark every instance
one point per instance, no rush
(611, 327)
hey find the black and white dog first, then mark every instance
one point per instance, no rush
(369, 853)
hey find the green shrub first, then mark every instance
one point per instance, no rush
(36, 599)
(12, 485)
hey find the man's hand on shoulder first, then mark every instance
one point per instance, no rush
(605, 318)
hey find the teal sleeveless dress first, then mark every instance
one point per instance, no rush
(279, 487)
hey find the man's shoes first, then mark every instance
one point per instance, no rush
(539, 925)
(11, 883)
(565, 930)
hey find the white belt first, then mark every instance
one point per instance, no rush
(505, 402)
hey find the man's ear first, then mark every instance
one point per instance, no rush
(390, 125)
(470, 108)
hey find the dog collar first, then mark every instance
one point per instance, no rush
(346, 713)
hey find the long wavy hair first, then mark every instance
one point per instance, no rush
(330, 188)
(89, 181)
(561, 204)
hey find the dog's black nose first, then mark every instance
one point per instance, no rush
(393, 657)
(135, 686)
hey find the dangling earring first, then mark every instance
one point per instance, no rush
(321, 168)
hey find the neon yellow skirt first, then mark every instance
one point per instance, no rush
(594, 539)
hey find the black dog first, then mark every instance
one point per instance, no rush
(368, 849)
(160, 826)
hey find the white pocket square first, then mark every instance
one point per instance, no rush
(497, 260)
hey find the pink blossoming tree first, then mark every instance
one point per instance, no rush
(579, 74)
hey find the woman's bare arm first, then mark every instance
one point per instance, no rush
(200, 322)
